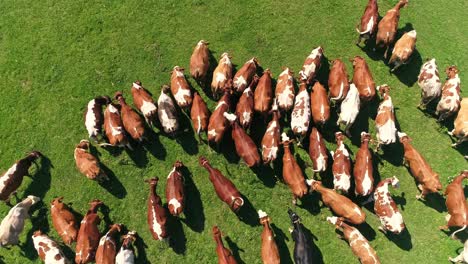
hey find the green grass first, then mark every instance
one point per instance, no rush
(57, 55)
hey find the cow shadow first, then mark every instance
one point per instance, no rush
(138, 156)
(234, 249)
(39, 221)
(361, 124)
(371, 50)
(228, 147)
(41, 179)
(435, 201)
(205, 85)
(367, 231)
(324, 71)
(154, 146)
(187, 138)
(317, 255)
(247, 213)
(392, 153)
(113, 185)
(402, 240)
(281, 238)
(68, 252)
(105, 211)
(140, 254)
(177, 240)
(266, 174)
(193, 212)
(310, 203)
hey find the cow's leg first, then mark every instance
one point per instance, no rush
(294, 200)
(398, 65)
(347, 130)
(386, 52)
(451, 132)
(358, 42)
(382, 229)
(458, 259)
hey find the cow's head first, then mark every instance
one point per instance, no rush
(365, 137)
(334, 220)
(203, 161)
(37, 233)
(395, 182)
(237, 203)
(225, 55)
(285, 140)
(357, 60)
(313, 184)
(84, 144)
(403, 137)
(464, 173)
(254, 60)
(293, 216)
(33, 155)
(451, 71)
(119, 96)
(178, 165)
(339, 136)
(228, 87)
(202, 42)
(216, 231)
(264, 218)
(153, 181)
(116, 227)
(103, 100)
(383, 89)
(56, 201)
(95, 204)
(166, 89)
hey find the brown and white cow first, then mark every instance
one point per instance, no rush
(456, 204)
(13, 224)
(388, 27)
(463, 256)
(311, 65)
(270, 252)
(13, 177)
(167, 112)
(429, 81)
(199, 114)
(87, 163)
(358, 243)
(368, 26)
(180, 88)
(428, 180)
(144, 102)
(319, 105)
(47, 249)
(386, 209)
(403, 49)
(363, 80)
(245, 106)
(157, 214)
(300, 116)
(221, 75)
(224, 188)
(89, 235)
(363, 169)
(200, 61)
(132, 122)
(318, 152)
(349, 109)
(114, 129)
(341, 205)
(218, 124)
(224, 255)
(271, 139)
(284, 92)
(338, 83)
(245, 75)
(263, 95)
(385, 119)
(175, 192)
(292, 173)
(126, 254)
(341, 167)
(460, 124)
(93, 116)
(449, 103)
(64, 221)
(107, 249)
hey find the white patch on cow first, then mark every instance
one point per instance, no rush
(137, 86)
(357, 210)
(220, 77)
(181, 94)
(392, 221)
(262, 214)
(179, 73)
(148, 108)
(90, 120)
(247, 91)
(321, 163)
(332, 220)
(453, 99)
(350, 106)
(199, 124)
(103, 239)
(284, 72)
(386, 133)
(343, 150)
(366, 182)
(156, 226)
(246, 115)
(212, 132)
(225, 59)
(344, 183)
(412, 33)
(125, 256)
(322, 109)
(300, 116)
(230, 117)
(220, 103)
(284, 137)
(169, 124)
(42, 242)
(240, 81)
(340, 94)
(113, 109)
(286, 97)
(172, 171)
(174, 203)
(6, 176)
(431, 86)
(369, 26)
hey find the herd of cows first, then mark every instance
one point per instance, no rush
(241, 96)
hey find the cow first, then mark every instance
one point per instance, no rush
(175, 193)
(88, 235)
(157, 214)
(270, 253)
(271, 139)
(199, 114)
(144, 102)
(449, 103)
(311, 65)
(463, 256)
(349, 109)
(221, 75)
(263, 95)
(363, 80)
(245, 75)
(64, 221)
(93, 116)
(341, 167)
(47, 249)
(338, 83)
(167, 112)
(224, 188)
(428, 180)
(300, 116)
(457, 206)
(13, 177)
(126, 254)
(217, 124)
(386, 209)
(245, 106)
(460, 124)
(302, 245)
(200, 62)
(403, 50)
(318, 152)
(319, 105)
(180, 88)
(358, 243)
(388, 26)
(368, 26)
(107, 249)
(284, 92)
(87, 163)
(292, 173)
(385, 119)
(224, 255)
(132, 122)
(13, 224)
(114, 129)
(429, 81)
(363, 168)
(341, 205)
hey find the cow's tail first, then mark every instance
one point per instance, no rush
(454, 233)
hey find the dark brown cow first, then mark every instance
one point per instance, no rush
(175, 193)
(338, 83)
(284, 91)
(107, 249)
(300, 116)
(167, 112)
(224, 188)
(271, 139)
(144, 102)
(263, 95)
(245, 147)
(311, 65)
(363, 80)
(363, 170)
(368, 26)
(245, 106)
(93, 116)
(245, 75)
(180, 88)
(157, 213)
(386, 209)
(88, 236)
(224, 255)
(199, 114)
(388, 27)
(428, 181)
(200, 61)
(449, 103)
(456, 204)
(319, 105)
(270, 253)
(218, 124)
(403, 50)
(341, 167)
(113, 126)
(64, 221)
(132, 122)
(221, 75)
(318, 152)
(87, 163)
(47, 249)
(292, 173)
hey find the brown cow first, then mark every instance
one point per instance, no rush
(113, 126)
(460, 124)
(221, 75)
(368, 25)
(245, 106)
(385, 119)
(386, 209)
(456, 204)
(224, 188)
(319, 105)
(363, 170)
(87, 163)
(47, 249)
(200, 115)
(363, 80)
(318, 152)
(245, 147)
(284, 91)
(245, 75)
(132, 122)
(388, 27)
(449, 103)
(126, 254)
(341, 167)
(358, 243)
(180, 88)
(167, 112)
(13, 177)
(271, 139)
(93, 116)
(403, 50)
(157, 214)
(175, 193)
(300, 116)
(263, 95)
(292, 173)
(218, 124)
(144, 102)
(200, 61)
(224, 255)
(338, 83)
(339, 204)
(311, 65)
(428, 181)
(88, 236)
(270, 253)
(429, 81)
(64, 221)
(107, 249)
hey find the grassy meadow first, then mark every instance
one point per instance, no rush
(55, 56)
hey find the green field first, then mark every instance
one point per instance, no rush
(55, 56)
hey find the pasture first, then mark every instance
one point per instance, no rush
(55, 56)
